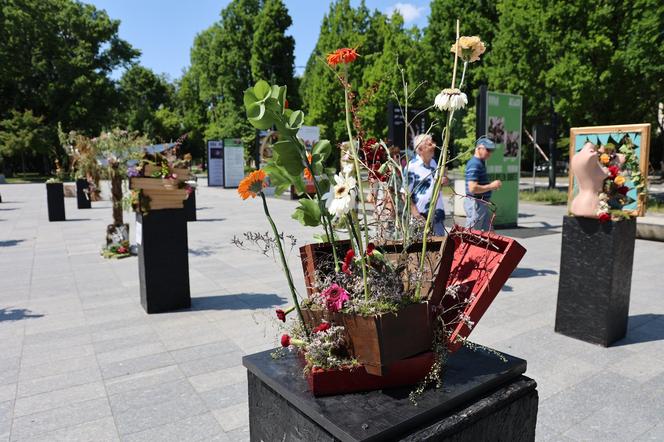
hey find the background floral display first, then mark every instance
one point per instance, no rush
(623, 152)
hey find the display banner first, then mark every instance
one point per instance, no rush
(233, 162)
(502, 124)
(215, 168)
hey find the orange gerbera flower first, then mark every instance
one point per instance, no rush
(604, 158)
(343, 55)
(307, 173)
(252, 184)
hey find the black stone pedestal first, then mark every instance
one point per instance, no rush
(595, 279)
(55, 199)
(483, 398)
(82, 196)
(190, 206)
(163, 260)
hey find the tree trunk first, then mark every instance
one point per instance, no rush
(116, 196)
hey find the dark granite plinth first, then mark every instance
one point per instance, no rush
(482, 398)
(163, 260)
(190, 206)
(55, 198)
(595, 279)
(82, 196)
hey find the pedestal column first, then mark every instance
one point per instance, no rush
(163, 260)
(595, 279)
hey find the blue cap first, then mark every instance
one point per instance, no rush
(486, 142)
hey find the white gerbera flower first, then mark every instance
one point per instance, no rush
(451, 99)
(341, 198)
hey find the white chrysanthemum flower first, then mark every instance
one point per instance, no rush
(341, 198)
(451, 99)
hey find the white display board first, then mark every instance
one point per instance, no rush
(215, 163)
(233, 162)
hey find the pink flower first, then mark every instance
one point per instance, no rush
(285, 341)
(335, 297)
(122, 249)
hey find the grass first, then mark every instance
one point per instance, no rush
(25, 178)
(547, 196)
(655, 205)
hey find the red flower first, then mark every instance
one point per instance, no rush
(623, 190)
(343, 55)
(285, 103)
(614, 171)
(370, 248)
(604, 217)
(285, 340)
(122, 249)
(322, 327)
(348, 260)
(281, 315)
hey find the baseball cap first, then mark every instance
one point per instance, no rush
(486, 142)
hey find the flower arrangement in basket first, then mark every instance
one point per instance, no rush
(160, 181)
(379, 306)
(621, 165)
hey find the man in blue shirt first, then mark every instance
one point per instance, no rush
(478, 187)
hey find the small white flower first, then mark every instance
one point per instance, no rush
(341, 198)
(451, 99)
(348, 168)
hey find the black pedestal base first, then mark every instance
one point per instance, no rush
(483, 398)
(163, 260)
(190, 206)
(595, 279)
(82, 195)
(55, 198)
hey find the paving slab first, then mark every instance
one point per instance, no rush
(82, 361)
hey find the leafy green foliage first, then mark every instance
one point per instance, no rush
(143, 95)
(308, 213)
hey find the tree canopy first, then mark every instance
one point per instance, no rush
(598, 62)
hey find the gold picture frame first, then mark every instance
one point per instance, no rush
(640, 134)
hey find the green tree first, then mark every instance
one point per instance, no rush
(597, 59)
(342, 26)
(23, 134)
(142, 94)
(478, 17)
(272, 56)
(396, 58)
(55, 59)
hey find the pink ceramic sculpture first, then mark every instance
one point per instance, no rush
(590, 177)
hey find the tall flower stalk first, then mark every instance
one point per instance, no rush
(345, 56)
(468, 49)
(251, 186)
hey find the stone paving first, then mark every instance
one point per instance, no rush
(80, 359)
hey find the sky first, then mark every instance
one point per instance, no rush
(164, 30)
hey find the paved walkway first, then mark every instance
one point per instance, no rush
(80, 359)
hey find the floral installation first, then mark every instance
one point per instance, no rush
(361, 274)
(623, 171)
(117, 251)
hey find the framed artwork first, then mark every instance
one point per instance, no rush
(637, 134)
